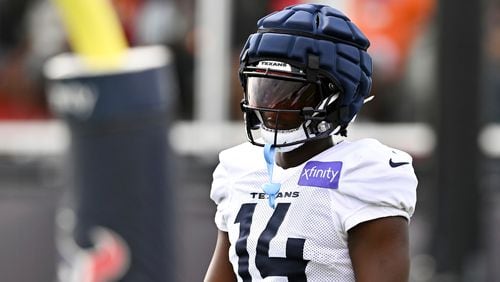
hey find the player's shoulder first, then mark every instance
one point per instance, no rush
(369, 150)
(241, 151)
(233, 163)
(372, 146)
(241, 157)
(370, 159)
(377, 174)
(375, 162)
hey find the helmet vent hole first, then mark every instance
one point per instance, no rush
(317, 21)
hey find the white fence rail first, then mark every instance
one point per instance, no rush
(206, 139)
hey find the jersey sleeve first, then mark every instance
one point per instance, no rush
(219, 193)
(381, 182)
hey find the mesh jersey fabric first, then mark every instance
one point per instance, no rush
(310, 221)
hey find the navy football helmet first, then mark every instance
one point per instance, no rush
(305, 74)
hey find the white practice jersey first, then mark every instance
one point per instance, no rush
(304, 238)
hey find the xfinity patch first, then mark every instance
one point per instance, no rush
(321, 174)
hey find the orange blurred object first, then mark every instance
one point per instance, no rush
(128, 11)
(392, 27)
(21, 96)
(276, 5)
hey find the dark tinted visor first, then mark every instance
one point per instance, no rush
(280, 94)
(274, 98)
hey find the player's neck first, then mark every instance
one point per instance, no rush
(303, 153)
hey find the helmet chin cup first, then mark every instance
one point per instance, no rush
(280, 138)
(288, 148)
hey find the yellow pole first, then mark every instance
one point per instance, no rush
(94, 31)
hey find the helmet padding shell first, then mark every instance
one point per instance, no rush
(324, 43)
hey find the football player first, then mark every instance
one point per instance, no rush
(300, 202)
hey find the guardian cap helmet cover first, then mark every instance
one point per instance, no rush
(305, 75)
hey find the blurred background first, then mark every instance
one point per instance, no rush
(91, 184)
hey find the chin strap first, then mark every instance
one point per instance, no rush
(271, 189)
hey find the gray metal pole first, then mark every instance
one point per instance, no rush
(213, 64)
(457, 221)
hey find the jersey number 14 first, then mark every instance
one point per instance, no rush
(292, 266)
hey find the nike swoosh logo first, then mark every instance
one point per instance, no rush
(396, 164)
